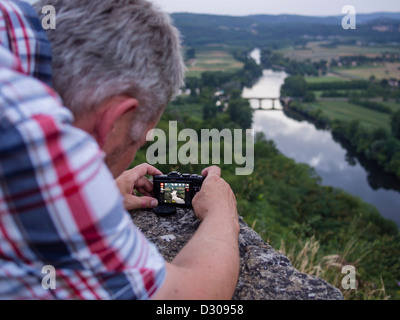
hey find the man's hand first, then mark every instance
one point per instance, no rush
(215, 197)
(207, 268)
(135, 179)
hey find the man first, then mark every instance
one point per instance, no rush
(116, 64)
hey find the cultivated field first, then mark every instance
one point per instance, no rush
(212, 58)
(387, 71)
(316, 52)
(346, 111)
(323, 79)
(193, 110)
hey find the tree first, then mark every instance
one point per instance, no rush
(193, 84)
(394, 165)
(295, 86)
(396, 124)
(209, 111)
(190, 53)
(309, 97)
(240, 112)
(209, 107)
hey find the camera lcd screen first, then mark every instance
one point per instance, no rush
(175, 193)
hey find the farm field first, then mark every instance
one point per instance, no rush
(392, 105)
(316, 52)
(193, 110)
(346, 111)
(212, 58)
(324, 79)
(387, 71)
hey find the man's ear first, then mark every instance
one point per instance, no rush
(113, 110)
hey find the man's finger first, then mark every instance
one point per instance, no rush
(135, 203)
(211, 171)
(144, 192)
(144, 170)
(145, 184)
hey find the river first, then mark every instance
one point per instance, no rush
(333, 161)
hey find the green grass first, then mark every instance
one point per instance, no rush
(395, 106)
(318, 93)
(193, 110)
(386, 71)
(316, 52)
(324, 79)
(347, 111)
(213, 58)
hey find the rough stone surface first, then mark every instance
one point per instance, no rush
(264, 273)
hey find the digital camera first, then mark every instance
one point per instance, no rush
(176, 189)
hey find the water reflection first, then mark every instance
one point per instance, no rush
(301, 141)
(334, 161)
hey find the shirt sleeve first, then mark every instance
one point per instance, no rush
(60, 206)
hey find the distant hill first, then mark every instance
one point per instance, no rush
(284, 18)
(281, 30)
(279, 19)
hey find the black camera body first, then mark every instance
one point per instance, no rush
(176, 189)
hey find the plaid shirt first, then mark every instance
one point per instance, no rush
(59, 205)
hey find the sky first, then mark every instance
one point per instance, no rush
(300, 7)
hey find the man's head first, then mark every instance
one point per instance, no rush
(116, 65)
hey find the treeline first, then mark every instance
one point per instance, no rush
(361, 60)
(246, 76)
(230, 109)
(272, 31)
(297, 87)
(377, 145)
(220, 93)
(339, 85)
(273, 60)
(355, 90)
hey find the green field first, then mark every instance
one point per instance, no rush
(212, 58)
(324, 79)
(386, 71)
(316, 52)
(392, 105)
(347, 111)
(193, 110)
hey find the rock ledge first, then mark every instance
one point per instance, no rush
(264, 273)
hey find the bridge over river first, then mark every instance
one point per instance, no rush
(284, 102)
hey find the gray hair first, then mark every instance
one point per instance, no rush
(104, 48)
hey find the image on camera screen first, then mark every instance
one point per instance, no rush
(174, 193)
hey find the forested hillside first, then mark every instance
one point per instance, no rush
(279, 31)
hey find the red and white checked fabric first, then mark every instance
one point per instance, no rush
(59, 204)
